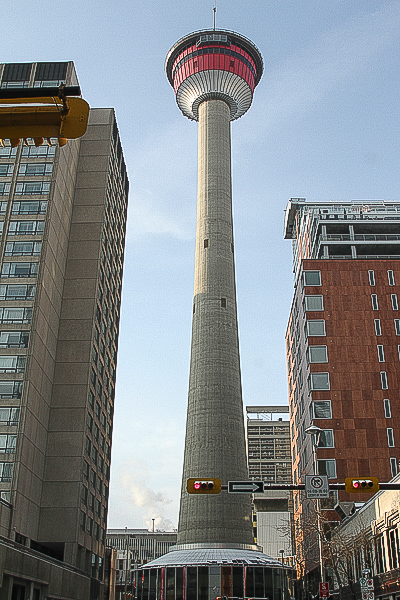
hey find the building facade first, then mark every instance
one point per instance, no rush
(270, 460)
(63, 218)
(343, 342)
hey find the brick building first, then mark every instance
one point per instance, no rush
(343, 341)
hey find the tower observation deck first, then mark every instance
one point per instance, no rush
(214, 74)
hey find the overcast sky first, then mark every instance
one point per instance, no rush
(324, 126)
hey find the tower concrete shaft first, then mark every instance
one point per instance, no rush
(215, 441)
(214, 74)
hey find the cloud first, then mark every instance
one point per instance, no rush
(152, 502)
(309, 76)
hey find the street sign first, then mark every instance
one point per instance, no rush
(324, 589)
(245, 487)
(317, 486)
(370, 584)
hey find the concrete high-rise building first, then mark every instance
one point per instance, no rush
(62, 217)
(214, 73)
(270, 460)
(343, 341)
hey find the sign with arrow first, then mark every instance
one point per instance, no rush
(245, 487)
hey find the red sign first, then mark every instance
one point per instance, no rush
(324, 589)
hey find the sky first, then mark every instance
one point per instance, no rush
(324, 125)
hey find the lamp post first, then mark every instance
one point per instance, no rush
(282, 552)
(315, 431)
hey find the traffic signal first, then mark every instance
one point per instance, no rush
(362, 485)
(203, 486)
(34, 113)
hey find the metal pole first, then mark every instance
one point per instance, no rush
(127, 563)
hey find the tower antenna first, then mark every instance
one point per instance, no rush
(215, 12)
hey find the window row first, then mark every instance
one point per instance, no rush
(35, 169)
(9, 415)
(10, 390)
(14, 339)
(25, 207)
(15, 314)
(371, 277)
(19, 269)
(26, 227)
(393, 299)
(32, 188)
(23, 248)
(12, 364)
(6, 471)
(17, 292)
(8, 443)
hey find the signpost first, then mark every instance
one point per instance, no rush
(367, 588)
(317, 486)
(245, 487)
(324, 589)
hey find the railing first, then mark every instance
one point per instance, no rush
(367, 237)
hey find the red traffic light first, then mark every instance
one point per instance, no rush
(203, 486)
(362, 485)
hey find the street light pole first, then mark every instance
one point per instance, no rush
(315, 431)
(282, 552)
(127, 564)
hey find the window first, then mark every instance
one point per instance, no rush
(82, 520)
(371, 277)
(41, 151)
(381, 354)
(9, 416)
(223, 302)
(31, 188)
(35, 169)
(393, 466)
(25, 227)
(378, 328)
(314, 303)
(6, 170)
(318, 381)
(312, 277)
(326, 439)
(7, 444)
(391, 277)
(397, 326)
(29, 207)
(386, 408)
(12, 364)
(15, 315)
(321, 409)
(4, 189)
(317, 354)
(374, 300)
(23, 248)
(19, 269)
(11, 389)
(327, 467)
(393, 298)
(384, 382)
(14, 339)
(6, 471)
(390, 437)
(315, 328)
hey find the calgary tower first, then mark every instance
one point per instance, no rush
(214, 74)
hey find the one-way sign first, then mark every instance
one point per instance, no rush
(245, 487)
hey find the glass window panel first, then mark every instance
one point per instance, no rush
(203, 583)
(378, 328)
(316, 328)
(371, 277)
(171, 583)
(374, 301)
(314, 303)
(326, 439)
(312, 277)
(319, 381)
(390, 437)
(322, 409)
(327, 467)
(391, 278)
(386, 406)
(317, 354)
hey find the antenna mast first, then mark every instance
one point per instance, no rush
(215, 12)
